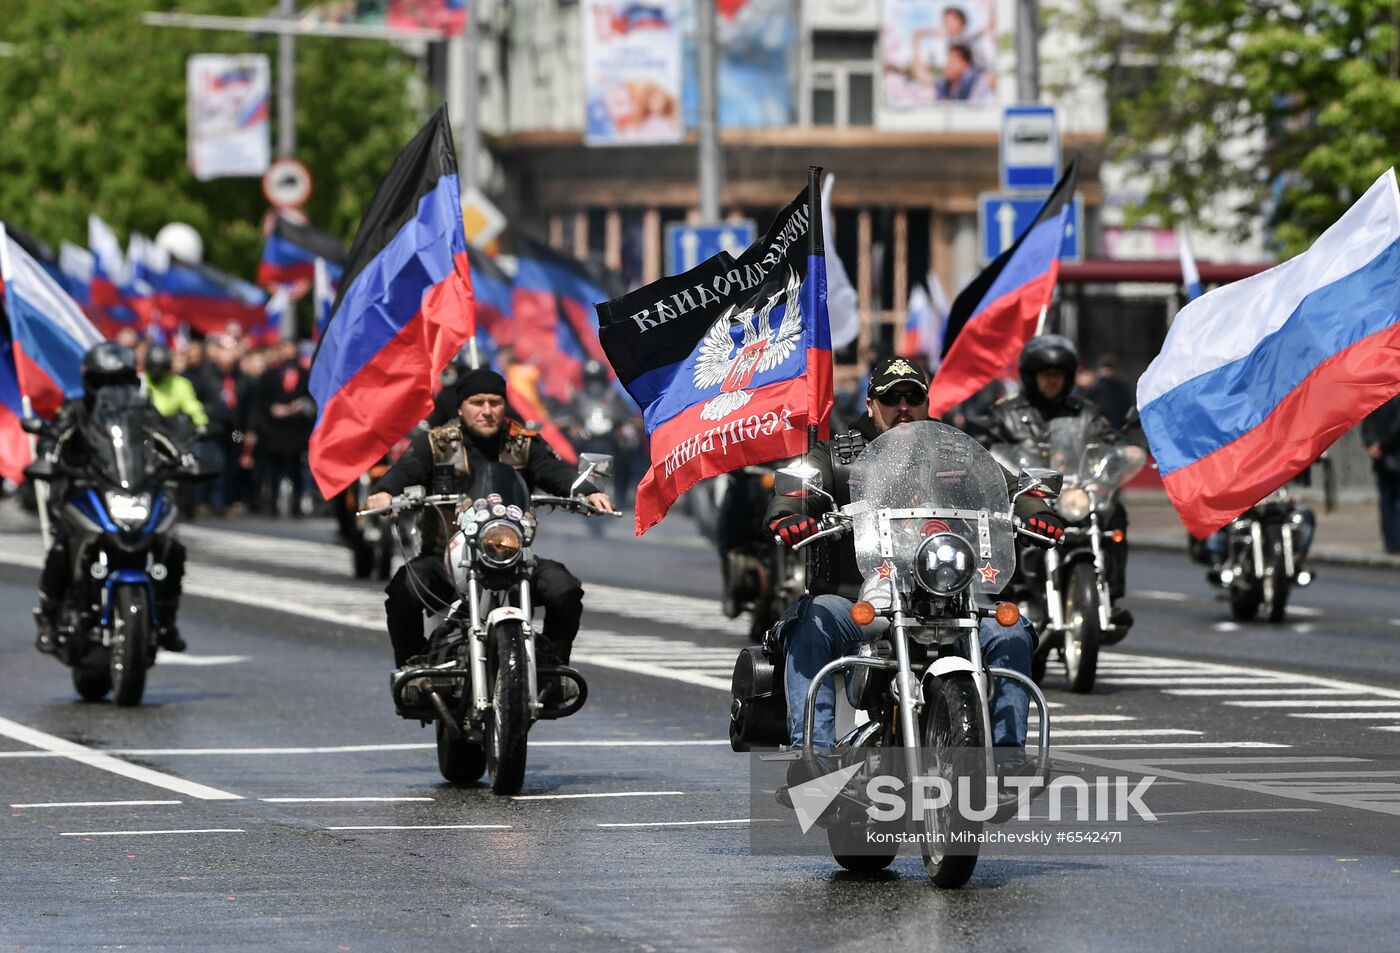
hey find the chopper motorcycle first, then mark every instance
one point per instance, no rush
(479, 681)
(935, 542)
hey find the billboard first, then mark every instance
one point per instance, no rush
(227, 127)
(632, 72)
(934, 52)
(757, 51)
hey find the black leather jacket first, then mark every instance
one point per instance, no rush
(1018, 420)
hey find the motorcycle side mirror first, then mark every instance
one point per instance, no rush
(602, 463)
(1049, 482)
(34, 425)
(797, 480)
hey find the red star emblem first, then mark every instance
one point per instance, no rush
(989, 574)
(885, 570)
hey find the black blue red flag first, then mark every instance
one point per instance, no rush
(403, 311)
(993, 317)
(730, 361)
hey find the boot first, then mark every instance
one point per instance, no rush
(168, 635)
(46, 636)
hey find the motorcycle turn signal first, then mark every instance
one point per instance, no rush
(862, 613)
(1007, 614)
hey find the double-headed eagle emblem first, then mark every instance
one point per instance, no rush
(731, 365)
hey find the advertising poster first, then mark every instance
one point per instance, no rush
(757, 49)
(935, 52)
(227, 115)
(632, 72)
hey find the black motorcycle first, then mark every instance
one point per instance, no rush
(1264, 550)
(118, 511)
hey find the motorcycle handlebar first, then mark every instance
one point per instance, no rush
(576, 503)
(403, 504)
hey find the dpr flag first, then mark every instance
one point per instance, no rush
(730, 361)
(993, 317)
(1258, 377)
(290, 254)
(404, 310)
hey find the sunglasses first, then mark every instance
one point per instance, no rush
(914, 398)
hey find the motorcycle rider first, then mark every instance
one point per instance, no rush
(108, 364)
(171, 393)
(598, 420)
(818, 628)
(479, 431)
(1048, 364)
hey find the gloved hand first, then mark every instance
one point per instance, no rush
(1046, 524)
(793, 529)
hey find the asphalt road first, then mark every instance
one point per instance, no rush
(266, 797)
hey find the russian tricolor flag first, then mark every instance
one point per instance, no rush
(1257, 378)
(15, 454)
(994, 316)
(730, 361)
(290, 253)
(205, 299)
(404, 310)
(51, 333)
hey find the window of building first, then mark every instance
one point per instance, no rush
(841, 79)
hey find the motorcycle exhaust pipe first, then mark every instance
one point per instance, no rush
(448, 721)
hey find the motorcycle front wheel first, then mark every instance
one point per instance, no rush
(1082, 631)
(459, 760)
(91, 683)
(509, 724)
(131, 634)
(1245, 598)
(952, 724)
(1276, 585)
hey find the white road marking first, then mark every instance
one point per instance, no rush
(646, 668)
(359, 749)
(1170, 681)
(573, 797)
(1253, 759)
(95, 804)
(1161, 596)
(1348, 715)
(1307, 612)
(1117, 732)
(198, 661)
(1076, 719)
(1243, 692)
(1241, 810)
(196, 830)
(1313, 703)
(737, 820)
(339, 800)
(64, 748)
(1179, 744)
(424, 827)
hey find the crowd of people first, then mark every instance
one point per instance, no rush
(257, 411)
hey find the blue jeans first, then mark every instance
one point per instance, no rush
(819, 629)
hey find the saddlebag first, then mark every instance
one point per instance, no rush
(758, 712)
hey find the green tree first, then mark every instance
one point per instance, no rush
(92, 119)
(1292, 109)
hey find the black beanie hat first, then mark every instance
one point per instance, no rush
(481, 380)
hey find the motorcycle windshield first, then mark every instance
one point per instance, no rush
(1076, 449)
(116, 436)
(923, 478)
(502, 480)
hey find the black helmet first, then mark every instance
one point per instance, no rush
(595, 371)
(158, 361)
(1047, 352)
(106, 364)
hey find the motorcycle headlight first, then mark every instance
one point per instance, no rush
(130, 510)
(944, 564)
(1075, 504)
(500, 543)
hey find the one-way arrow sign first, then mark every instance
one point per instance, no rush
(1001, 219)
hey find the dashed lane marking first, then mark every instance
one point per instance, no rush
(199, 661)
(599, 794)
(93, 804)
(103, 761)
(1347, 715)
(1174, 744)
(193, 830)
(423, 827)
(1311, 703)
(634, 824)
(1117, 732)
(360, 749)
(341, 800)
(1243, 692)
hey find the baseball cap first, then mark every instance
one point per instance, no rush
(892, 371)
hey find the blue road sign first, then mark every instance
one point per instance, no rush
(1001, 219)
(1030, 148)
(689, 245)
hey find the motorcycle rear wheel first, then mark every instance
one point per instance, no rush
(131, 635)
(460, 761)
(1083, 634)
(508, 727)
(952, 722)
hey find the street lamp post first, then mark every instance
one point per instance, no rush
(286, 84)
(708, 158)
